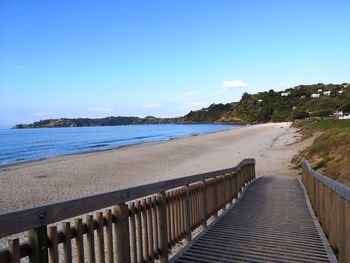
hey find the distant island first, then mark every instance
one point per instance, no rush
(300, 102)
(108, 121)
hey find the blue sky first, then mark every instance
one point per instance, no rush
(161, 58)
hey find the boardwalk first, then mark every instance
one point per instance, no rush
(271, 223)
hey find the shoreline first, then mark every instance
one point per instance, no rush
(4, 166)
(73, 176)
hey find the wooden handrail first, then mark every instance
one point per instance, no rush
(22, 220)
(331, 203)
(337, 187)
(159, 215)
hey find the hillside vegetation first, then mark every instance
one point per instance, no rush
(330, 151)
(108, 121)
(288, 105)
(276, 106)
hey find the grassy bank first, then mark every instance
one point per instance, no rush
(330, 151)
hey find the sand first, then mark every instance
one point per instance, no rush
(272, 145)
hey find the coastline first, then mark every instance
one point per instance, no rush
(6, 165)
(71, 176)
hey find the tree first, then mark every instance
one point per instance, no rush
(345, 108)
(300, 115)
(245, 96)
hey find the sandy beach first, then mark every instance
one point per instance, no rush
(25, 185)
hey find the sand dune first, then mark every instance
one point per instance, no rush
(71, 176)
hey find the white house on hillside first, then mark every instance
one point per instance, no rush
(328, 92)
(319, 90)
(285, 94)
(340, 91)
(338, 114)
(315, 95)
(341, 116)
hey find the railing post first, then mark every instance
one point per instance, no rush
(224, 192)
(14, 251)
(244, 174)
(38, 243)
(340, 215)
(238, 182)
(121, 213)
(205, 204)
(187, 214)
(216, 205)
(163, 233)
(253, 170)
(231, 188)
(347, 232)
(234, 185)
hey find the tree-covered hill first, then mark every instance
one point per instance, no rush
(108, 121)
(208, 115)
(300, 102)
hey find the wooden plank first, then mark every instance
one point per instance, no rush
(14, 252)
(155, 227)
(178, 215)
(90, 238)
(182, 208)
(139, 232)
(145, 231)
(53, 251)
(162, 222)
(100, 238)
(26, 219)
(215, 199)
(168, 219)
(67, 244)
(224, 193)
(347, 232)
(38, 243)
(23, 248)
(109, 236)
(121, 213)
(172, 217)
(340, 217)
(132, 229)
(150, 229)
(187, 214)
(205, 204)
(79, 240)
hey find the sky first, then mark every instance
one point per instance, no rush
(161, 58)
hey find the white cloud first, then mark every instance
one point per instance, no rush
(101, 110)
(234, 84)
(190, 104)
(41, 113)
(189, 93)
(151, 105)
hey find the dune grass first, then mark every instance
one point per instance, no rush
(330, 151)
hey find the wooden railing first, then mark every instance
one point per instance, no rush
(138, 224)
(331, 203)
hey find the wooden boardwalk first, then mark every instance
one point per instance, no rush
(272, 222)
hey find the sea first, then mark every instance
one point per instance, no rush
(21, 145)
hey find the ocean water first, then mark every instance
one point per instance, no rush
(33, 144)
